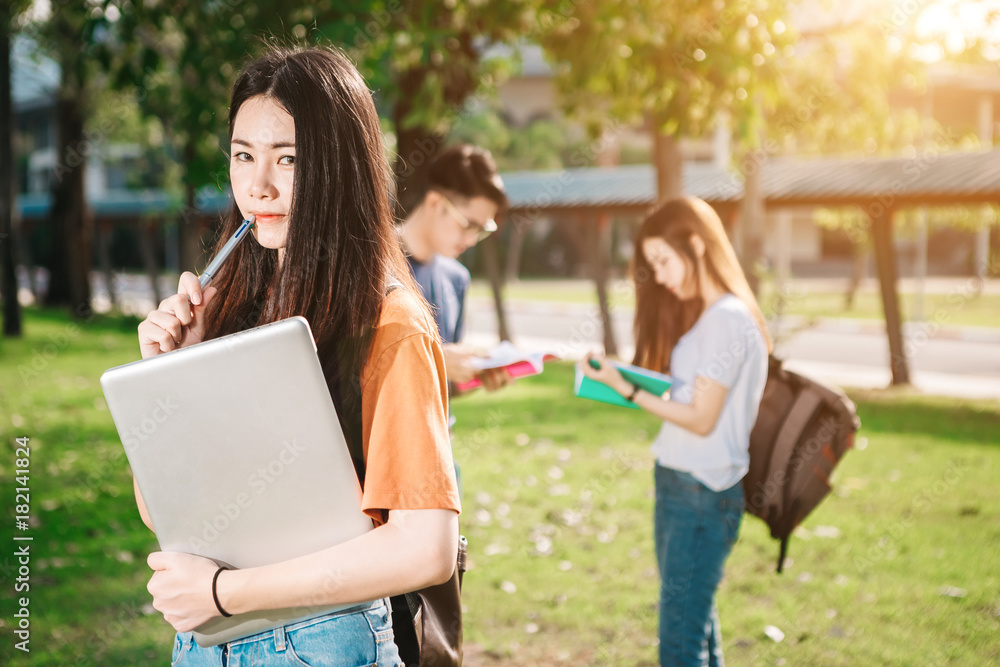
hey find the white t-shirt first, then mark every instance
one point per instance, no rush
(725, 345)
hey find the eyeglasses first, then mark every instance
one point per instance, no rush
(481, 230)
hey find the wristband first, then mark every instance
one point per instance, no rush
(635, 390)
(215, 593)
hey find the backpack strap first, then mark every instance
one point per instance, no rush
(781, 554)
(801, 412)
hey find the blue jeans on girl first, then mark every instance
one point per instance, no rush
(694, 528)
(356, 637)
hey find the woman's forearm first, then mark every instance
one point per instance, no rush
(700, 416)
(684, 415)
(415, 549)
(141, 504)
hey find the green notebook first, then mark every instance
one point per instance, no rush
(654, 383)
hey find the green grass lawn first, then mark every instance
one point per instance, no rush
(957, 308)
(897, 567)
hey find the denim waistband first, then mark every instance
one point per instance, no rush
(279, 632)
(692, 484)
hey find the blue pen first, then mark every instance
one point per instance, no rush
(227, 249)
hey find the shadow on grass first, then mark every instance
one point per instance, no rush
(928, 416)
(96, 321)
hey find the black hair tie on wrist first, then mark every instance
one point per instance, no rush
(635, 390)
(215, 592)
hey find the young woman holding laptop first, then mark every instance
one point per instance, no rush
(697, 320)
(307, 161)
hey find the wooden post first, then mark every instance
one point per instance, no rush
(783, 248)
(600, 254)
(489, 249)
(734, 227)
(859, 271)
(517, 235)
(981, 247)
(885, 262)
(921, 265)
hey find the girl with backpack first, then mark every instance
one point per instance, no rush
(307, 161)
(696, 319)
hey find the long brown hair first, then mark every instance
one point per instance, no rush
(341, 250)
(661, 318)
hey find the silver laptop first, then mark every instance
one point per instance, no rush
(239, 455)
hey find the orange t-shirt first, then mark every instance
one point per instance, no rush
(404, 414)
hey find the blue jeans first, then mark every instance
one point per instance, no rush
(350, 638)
(694, 528)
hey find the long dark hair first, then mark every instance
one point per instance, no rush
(341, 250)
(661, 318)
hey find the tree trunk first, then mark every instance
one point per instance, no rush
(190, 250)
(147, 246)
(104, 235)
(753, 219)
(488, 247)
(885, 260)
(600, 253)
(669, 165)
(8, 274)
(69, 261)
(416, 146)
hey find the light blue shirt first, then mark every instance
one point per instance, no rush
(725, 345)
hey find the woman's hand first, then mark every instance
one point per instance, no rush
(179, 321)
(607, 373)
(181, 587)
(495, 378)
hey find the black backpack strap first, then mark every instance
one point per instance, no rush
(781, 554)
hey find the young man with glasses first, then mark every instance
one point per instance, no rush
(464, 195)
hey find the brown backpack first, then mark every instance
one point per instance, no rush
(803, 429)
